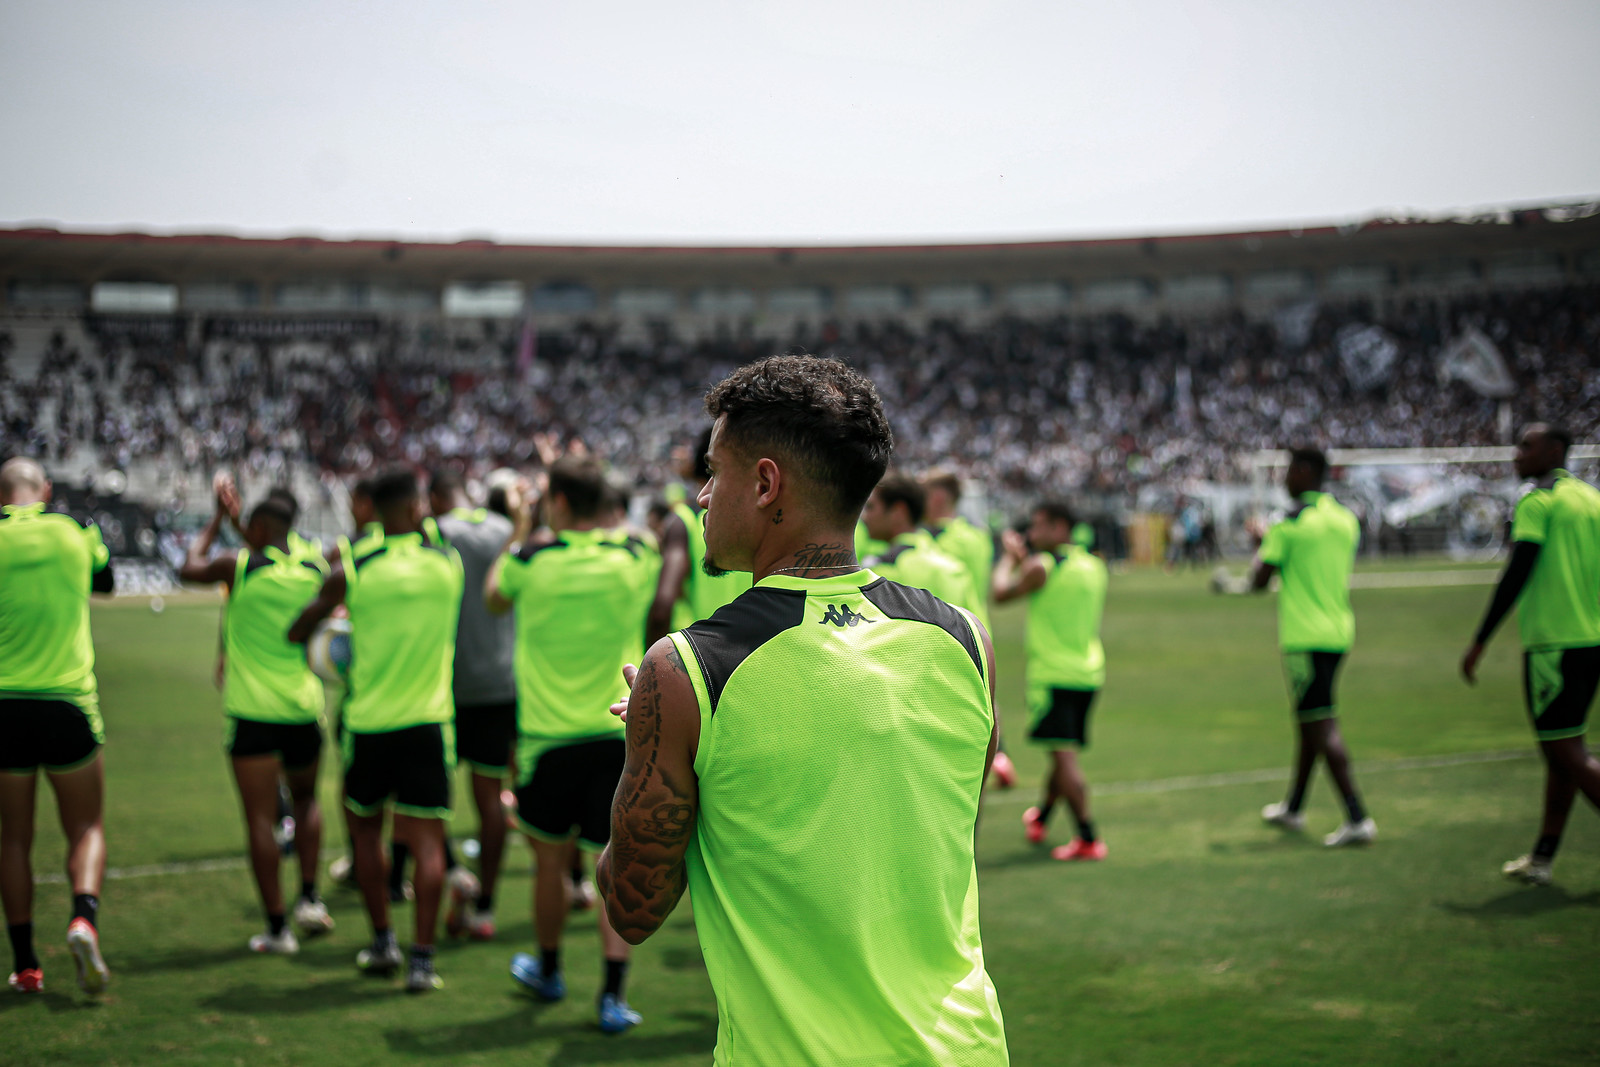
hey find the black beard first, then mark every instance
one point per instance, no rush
(710, 567)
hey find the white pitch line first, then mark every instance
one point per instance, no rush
(1421, 579)
(1105, 789)
(1215, 781)
(114, 874)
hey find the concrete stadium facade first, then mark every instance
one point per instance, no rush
(771, 289)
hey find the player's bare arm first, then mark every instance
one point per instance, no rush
(674, 574)
(331, 596)
(197, 567)
(642, 874)
(1017, 572)
(1524, 554)
(1261, 575)
(522, 507)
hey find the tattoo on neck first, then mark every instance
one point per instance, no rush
(778, 518)
(823, 557)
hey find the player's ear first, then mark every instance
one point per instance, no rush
(769, 483)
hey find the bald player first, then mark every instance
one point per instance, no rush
(49, 714)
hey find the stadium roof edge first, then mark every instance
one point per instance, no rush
(1497, 216)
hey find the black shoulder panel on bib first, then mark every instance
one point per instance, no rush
(906, 602)
(255, 562)
(370, 556)
(738, 628)
(531, 549)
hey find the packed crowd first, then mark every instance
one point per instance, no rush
(1099, 403)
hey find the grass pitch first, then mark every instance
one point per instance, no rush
(1206, 938)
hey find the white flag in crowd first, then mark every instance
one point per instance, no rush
(1474, 359)
(1367, 353)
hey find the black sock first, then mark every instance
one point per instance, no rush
(22, 946)
(450, 863)
(86, 906)
(1085, 830)
(485, 901)
(549, 961)
(1353, 805)
(1544, 851)
(308, 890)
(616, 974)
(398, 854)
(275, 924)
(1044, 811)
(1297, 799)
(420, 953)
(382, 937)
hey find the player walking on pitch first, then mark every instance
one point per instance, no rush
(1555, 571)
(893, 514)
(271, 699)
(485, 696)
(1066, 590)
(827, 720)
(404, 596)
(1314, 547)
(580, 596)
(49, 714)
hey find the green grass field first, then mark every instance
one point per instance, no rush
(1205, 939)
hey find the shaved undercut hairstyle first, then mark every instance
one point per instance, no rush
(393, 490)
(582, 481)
(1313, 460)
(900, 489)
(816, 414)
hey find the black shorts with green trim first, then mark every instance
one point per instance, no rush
(1559, 684)
(411, 767)
(1311, 682)
(49, 732)
(485, 734)
(1065, 720)
(296, 744)
(569, 792)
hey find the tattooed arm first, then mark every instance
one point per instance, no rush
(641, 874)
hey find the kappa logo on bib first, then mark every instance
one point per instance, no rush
(841, 616)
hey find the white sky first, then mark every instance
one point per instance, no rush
(811, 121)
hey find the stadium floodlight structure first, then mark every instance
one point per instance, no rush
(1394, 486)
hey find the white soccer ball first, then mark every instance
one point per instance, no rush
(328, 651)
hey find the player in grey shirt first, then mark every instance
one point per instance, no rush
(485, 694)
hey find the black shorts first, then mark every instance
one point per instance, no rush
(570, 790)
(57, 735)
(412, 767)
(1559, 685)
(1064, 720)
(484, 735)
(296, 744)
(1311, 676)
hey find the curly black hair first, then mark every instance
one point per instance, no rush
(818, 413)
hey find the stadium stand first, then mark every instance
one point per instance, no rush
(1114, 399)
